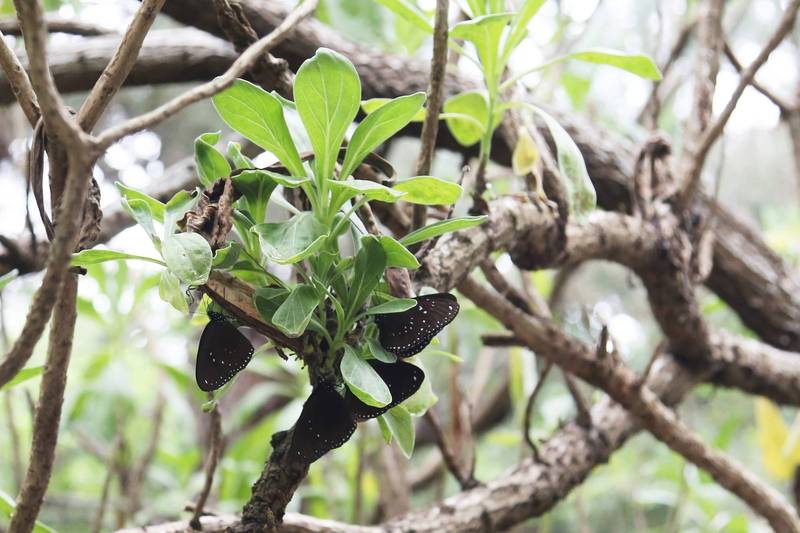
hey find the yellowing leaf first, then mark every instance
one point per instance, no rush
(772, 434)
(526, 153)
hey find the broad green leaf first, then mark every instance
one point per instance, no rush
(471, 104)
(141, 212)
(368, 267)
(402, 427)
(526, 153)
(397, 255)
(386, 433)
(169, 290)
(410, 12)
(268, 299)
(257, 186)
(156, 207)
(188, 256)
(23, 375)
(8, 277)
(379, 352)
(442, 227)
(344, 190)
(175, 208)
(639, 64)
(226, 257)
(94, 256)
(327, 94)
(477, 8)
(392, 306)
(520, 24)
(235, 154)
(294, 313)
(291, 241)
(362, 380)
(211, 164)
(427, 190)
(422, 400)
(485, 33)
(379, 126)
(258, 115)
(572, 167)
(373, 104)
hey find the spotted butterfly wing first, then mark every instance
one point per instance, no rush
(223, 352)
(408, 333)
(403, 380)
(325, 423)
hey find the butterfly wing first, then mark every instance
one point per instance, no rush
(223, 352)
(408, 333)
(403, 380)
(325, 423)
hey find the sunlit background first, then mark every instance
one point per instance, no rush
(134, 353)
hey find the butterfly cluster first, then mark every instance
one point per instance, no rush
(328, 418)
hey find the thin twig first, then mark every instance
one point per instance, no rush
(19, 81)
(115, 457)
(139, 471)
(698, 154)
(526, 421)
(449, 457)
(120, 65)
(214, 449)
(243, 63)
(48, 410)
(57, 24)
(430, 127)
(772, 97)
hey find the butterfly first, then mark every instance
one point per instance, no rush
(328, 420)
(223, 352)
(403, 380)
(408, 333)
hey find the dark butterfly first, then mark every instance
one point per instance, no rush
(324, 424)
(408, 333)
(403, 380)
(223, 352)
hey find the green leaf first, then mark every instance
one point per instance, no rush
(258, 115)
(392, 306)
(8, 277)
(427, 190)
(386, 433)
(373, 104)
(344, 190)
(410, 12)
(188, 256)
(485, 33)
(291, 241)
(257, 186)
(226, 257)
(368, 268)
(267, 300)
(476, 8)
(397, 255)
(176, 207)
(379, 352)
(639, 64)
(239, 159)
(95, 255)
(211, 164)
(362, 379)
(520, 24)
(327, 95)
(442, 227)
(579, 187)
(294, 313)
(402, 427)
(169, 290)
(422, 400)
(23, 375)
(379, 126)
(472, 105)
(141, 212)
(156, 207)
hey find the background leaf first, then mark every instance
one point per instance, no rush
(427, 190)
(442, 227)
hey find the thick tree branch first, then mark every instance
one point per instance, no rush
(19, 82)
